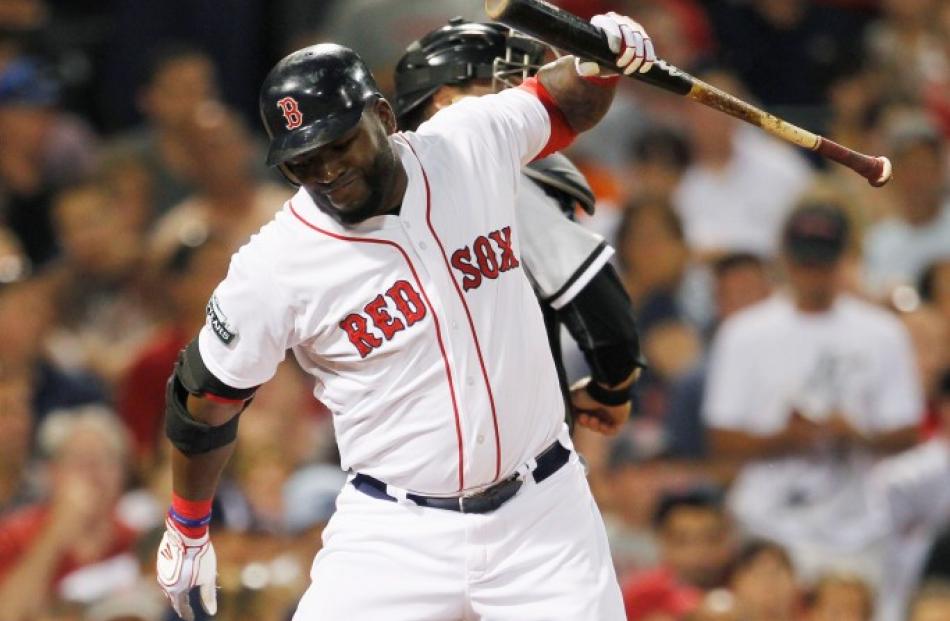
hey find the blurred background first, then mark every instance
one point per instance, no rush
(752, 484)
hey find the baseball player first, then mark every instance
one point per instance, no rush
(394, 276)
(566, 264)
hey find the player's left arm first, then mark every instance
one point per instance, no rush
(601, 319)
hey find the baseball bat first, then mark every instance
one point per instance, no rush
(572, 34)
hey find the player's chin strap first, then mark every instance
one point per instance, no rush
(192, 377)
(562, 181)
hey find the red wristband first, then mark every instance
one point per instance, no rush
(184, 514)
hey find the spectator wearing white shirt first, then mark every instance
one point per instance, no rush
(741, 183)
(899, 248)
(806, 389)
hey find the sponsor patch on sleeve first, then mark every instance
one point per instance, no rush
(219, 321)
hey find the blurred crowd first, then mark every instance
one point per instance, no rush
(789, 455)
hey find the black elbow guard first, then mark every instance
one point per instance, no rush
(601, 320)
(187, 434)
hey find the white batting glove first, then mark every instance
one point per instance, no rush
(628, 40)
(185, 563)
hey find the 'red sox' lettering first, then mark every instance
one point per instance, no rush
(409, 309)
(485, 259)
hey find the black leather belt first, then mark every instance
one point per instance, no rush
(548, 462)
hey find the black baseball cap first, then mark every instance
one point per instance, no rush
(815, 234)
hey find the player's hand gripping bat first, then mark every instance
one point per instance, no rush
(570, 33)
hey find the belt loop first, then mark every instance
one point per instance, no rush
(524, 470)
(398, 493)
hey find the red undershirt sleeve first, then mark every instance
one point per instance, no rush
(562, 134)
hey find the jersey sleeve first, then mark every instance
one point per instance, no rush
(560, 254)
(248, 326)
(516, 125)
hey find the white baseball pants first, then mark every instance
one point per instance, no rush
(542, 556)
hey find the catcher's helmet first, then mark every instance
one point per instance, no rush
(459, 52)
(312, 97)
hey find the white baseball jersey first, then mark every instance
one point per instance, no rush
(421, 330)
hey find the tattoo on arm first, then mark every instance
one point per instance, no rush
(583, 102)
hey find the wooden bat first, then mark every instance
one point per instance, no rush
(572, 34)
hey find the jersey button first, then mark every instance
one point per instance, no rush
(455, 325)
(422, 245)
(480, 439)
(470, 380)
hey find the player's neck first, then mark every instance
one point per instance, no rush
(393, 200)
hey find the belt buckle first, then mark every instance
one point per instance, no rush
(463, 498)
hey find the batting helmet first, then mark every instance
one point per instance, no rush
(312, 97)
(460, 52)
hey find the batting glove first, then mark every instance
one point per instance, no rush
(628, 40)
(185, 563)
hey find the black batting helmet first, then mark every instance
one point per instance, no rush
(457, 53)
(312, 97)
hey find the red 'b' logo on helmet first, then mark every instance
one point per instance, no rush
(292, 114)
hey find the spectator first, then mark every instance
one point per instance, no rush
(658, 158)
(695, 551)
(42, 149)
(26, 314)
(654, 261)
(805, 389)
(763, 581)
(741, 183)
(932, 602)
(740, 280)
(934, 288)
(841, 597)
(70, 546)
(229, 202)
(180, 79)
(16, 434)
(103, 312)
(898, 249)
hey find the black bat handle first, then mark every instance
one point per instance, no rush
(572, 34)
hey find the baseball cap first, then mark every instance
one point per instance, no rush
(24, 81)
(816, 234)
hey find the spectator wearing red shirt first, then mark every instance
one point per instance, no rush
(70, 546)
(696, 546)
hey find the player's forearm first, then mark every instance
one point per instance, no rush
(892, 441)
(582, 101)
(195, 477)
(600, 319)
(738, 445)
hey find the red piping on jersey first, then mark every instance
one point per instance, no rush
(468, 314)
(562, 134)
(438, 329)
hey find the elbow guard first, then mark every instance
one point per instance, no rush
(561, 180)
(601, 320)
(191, 376)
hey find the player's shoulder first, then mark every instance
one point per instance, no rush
(263, 253)
(867, 317)
(761, 319)
(479, 113)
